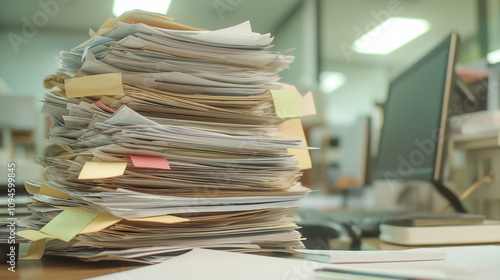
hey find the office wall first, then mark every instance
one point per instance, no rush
(23, 71)
(290, 35)
(366, 84)
(493, 25)
(298, 32)
(24, 66)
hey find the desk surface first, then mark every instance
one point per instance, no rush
(61, 269)
(69, 269)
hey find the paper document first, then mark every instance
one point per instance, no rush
(218, 265)
(337, 256)
(168, 137)
(466, 262)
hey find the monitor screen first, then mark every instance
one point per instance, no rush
(412, 142)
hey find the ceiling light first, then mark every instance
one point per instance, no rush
(331, 81)
(390, 35)
(493, 57)
(155, 6)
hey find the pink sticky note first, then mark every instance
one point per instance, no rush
(150, 162)
(104, 107)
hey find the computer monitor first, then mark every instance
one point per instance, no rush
(412, 142)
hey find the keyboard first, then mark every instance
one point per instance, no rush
(367, 221)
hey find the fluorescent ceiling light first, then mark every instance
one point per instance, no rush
(155, 6)
(331, 81)
(390, 35)
(493, 57)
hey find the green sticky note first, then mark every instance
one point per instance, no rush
(286, 104)
(68, 224)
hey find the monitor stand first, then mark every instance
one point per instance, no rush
(450, 196)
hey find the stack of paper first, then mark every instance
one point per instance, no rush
(168, 138)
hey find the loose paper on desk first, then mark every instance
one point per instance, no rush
(218, 265)
(465, 262)
(339, 256)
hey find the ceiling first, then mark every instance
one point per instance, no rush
(341, 21)
(81, 15)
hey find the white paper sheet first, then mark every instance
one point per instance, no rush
(216, 265)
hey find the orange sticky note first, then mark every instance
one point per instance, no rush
(166, 219)
(45, 190)
(36, 250)
(292, 128)
(99, 223)
(50, 191)
(150, 162)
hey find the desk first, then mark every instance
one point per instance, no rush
(61, 269)
(69, 269)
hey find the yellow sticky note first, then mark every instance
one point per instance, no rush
(306, 102)
(165, 219)
(67, 224)
(33, 235)
(46, 190)
(102, 84)
(36, 250)
(99, 170)
(100, 223)
(286, 104)
(31, 188)
(293, 128)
